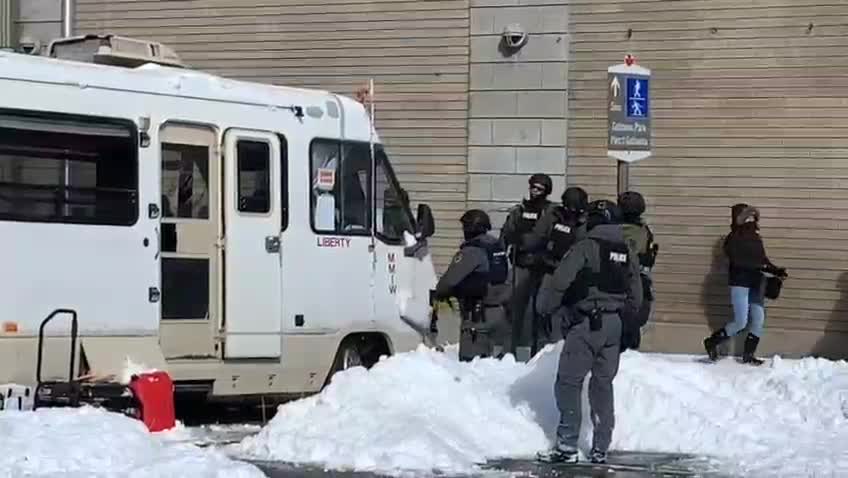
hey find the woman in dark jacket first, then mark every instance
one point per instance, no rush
(748, 261)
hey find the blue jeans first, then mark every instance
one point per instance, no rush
(746, 300)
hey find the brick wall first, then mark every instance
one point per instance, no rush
(38, 20)
(518, 104)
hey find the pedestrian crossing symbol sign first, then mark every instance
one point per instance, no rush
(637, 97)
(629, 137)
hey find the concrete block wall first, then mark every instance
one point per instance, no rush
(518, 104)
(38, 20)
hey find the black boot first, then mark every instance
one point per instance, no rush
(712, 342)
(751, 342)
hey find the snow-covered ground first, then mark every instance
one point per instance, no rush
(425, 411)
(92, 443)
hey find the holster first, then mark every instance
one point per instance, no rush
(471, 310)
(647, 287)
(595, 316)
(475, 337)
(596, 320)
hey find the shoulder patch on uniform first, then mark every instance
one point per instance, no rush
(457, 258)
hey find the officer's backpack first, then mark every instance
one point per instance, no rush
(640, 239)
(498, 261)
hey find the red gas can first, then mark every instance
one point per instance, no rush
(155, 394)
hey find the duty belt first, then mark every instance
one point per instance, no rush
(595, 316)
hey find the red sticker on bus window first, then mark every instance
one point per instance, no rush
(326, 178)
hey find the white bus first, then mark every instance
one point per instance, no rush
(239, 236)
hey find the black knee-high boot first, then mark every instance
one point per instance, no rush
(751, 342)
(712, 342)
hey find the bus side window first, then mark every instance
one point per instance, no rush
(54, 168)
(340, 175)
(254, 176)
(185, 181)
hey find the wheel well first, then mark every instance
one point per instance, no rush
(371, 346)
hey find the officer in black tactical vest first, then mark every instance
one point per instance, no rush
(477, 278)
(555, 233)
(603, 263)
(640, 238)
(528, 268)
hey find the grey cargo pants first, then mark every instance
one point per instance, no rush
(522, 314)
(582, 352)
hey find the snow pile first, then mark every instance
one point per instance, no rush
(89, 442)
(424, 411)
(786, 418)
(417, 411)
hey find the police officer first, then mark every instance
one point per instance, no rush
(528, 268)
(557, 231)
(604, 264)
(640, 239)
(477, 278)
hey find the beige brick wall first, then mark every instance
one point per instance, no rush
(518, 104)
(38, 20)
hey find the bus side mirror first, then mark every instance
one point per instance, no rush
(426, 225)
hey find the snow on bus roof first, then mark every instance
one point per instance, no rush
(156, 79)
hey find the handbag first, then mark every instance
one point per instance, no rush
(773, 286)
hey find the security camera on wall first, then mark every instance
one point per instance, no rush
(29, 46)
(513, 39)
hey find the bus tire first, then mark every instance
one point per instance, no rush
(359, 350)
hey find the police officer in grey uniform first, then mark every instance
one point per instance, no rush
(477, 278)
(604, 264)
(555, 233)
(527, 270)
(640, 238)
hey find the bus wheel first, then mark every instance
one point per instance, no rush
(350, 356)
(360, 350)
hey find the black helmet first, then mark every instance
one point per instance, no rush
(601, 211)
(475, 222)
(632, 204)
(544, 180)
(575, 199)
